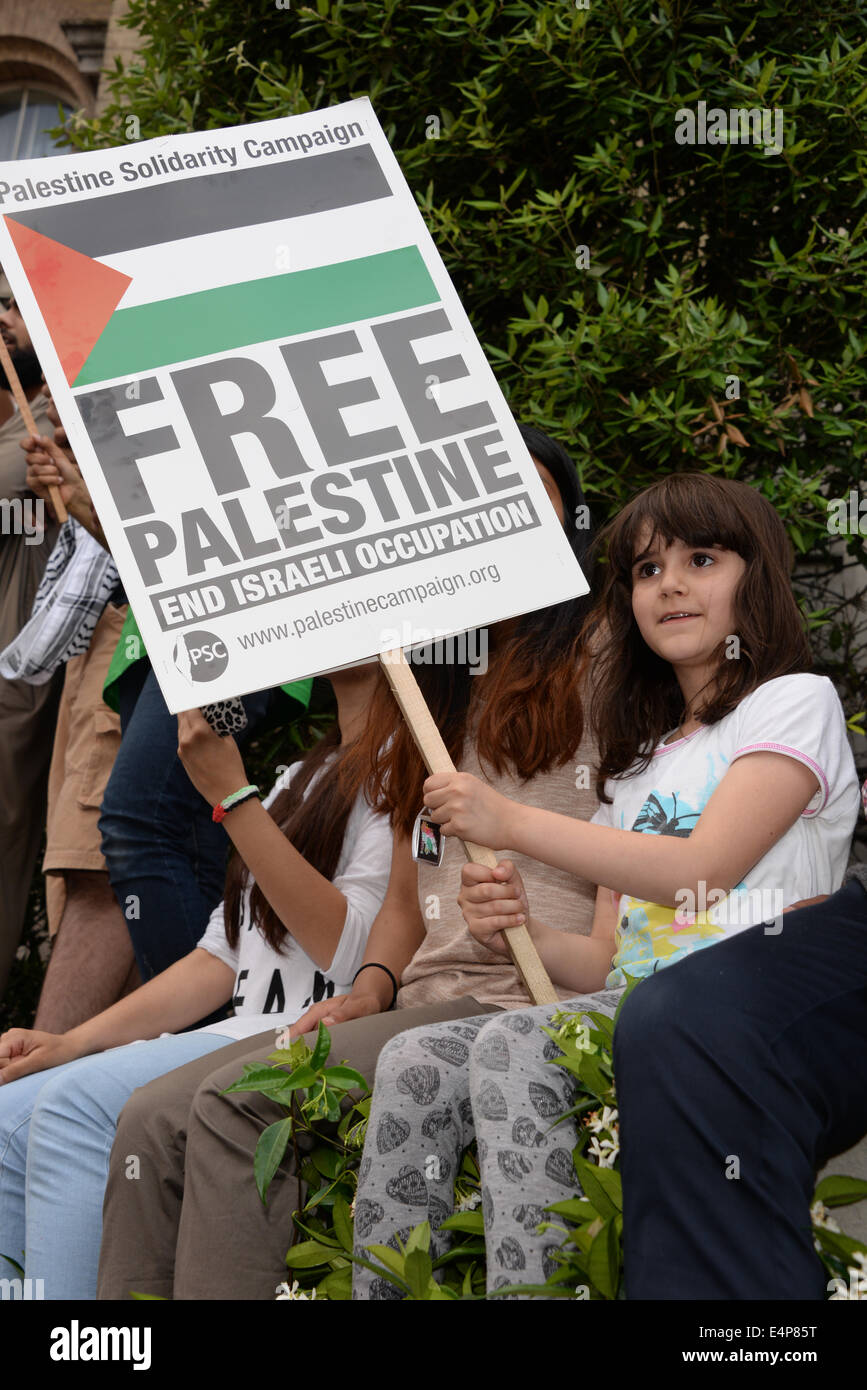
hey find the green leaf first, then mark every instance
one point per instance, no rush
(604, 1025)
(381, 1270)
(605, 1195)
(417, 1270)
(392, 1259)
(464, 1251)
(603, 1264)
(836, 1244)
(346, 1077)
(838, 1191)
(271, 1081)
(321, 1048)
(329, 1162)
(337, 1286)
(269, 1153)
(307, 1254)
(438, 1293)
(470, 1221)
(575, 1208)
(419, 1238)
(258, 1077)
(343, 1223)
(589, 1072)
(323, 1197)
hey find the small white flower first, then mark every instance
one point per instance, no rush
(605, 1151)
(293, 1291)
(607, 1120)
(820, 1216)
(469, 1203)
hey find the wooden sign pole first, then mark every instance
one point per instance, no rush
(436, 759)
(29, 423)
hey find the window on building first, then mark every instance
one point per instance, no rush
(25, 119)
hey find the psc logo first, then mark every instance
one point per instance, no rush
(200, 656)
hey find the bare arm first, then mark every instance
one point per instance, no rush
(757, 801)
(189, 989)
(577, 962)
(50, 466)
(395, 936)
(492, 899)
(310, 907)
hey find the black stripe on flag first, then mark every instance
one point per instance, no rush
(195, 206)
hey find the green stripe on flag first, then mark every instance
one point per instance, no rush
(255, 311)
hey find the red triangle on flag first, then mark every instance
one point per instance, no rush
(76, 294)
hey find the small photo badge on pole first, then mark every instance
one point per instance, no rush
(427, 841)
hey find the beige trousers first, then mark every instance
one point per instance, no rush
(191, 1225)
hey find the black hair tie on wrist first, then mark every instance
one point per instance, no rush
(375, 965)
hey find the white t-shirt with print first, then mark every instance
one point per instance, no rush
(273, 989)
(799, 716)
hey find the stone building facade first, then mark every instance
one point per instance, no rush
(53, 52)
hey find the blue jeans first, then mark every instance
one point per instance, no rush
(753, 1049)
(56, 1132)
(166, 858)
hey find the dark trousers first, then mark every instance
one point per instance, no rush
(28, 717)
(740, 1071)
(166, 858)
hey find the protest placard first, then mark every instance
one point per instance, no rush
(297, 450)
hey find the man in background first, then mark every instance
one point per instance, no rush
(28, 713)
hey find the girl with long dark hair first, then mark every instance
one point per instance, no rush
(728, 792)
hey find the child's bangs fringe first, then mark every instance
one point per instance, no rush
(678, 510)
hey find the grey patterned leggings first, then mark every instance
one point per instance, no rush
(436, 1089)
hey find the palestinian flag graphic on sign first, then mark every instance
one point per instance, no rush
(297, 450)
(97, 267)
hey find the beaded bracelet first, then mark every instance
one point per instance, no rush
(230, 802)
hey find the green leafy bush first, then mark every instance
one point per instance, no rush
(619, 280)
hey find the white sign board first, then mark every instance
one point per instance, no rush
(297, 450)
